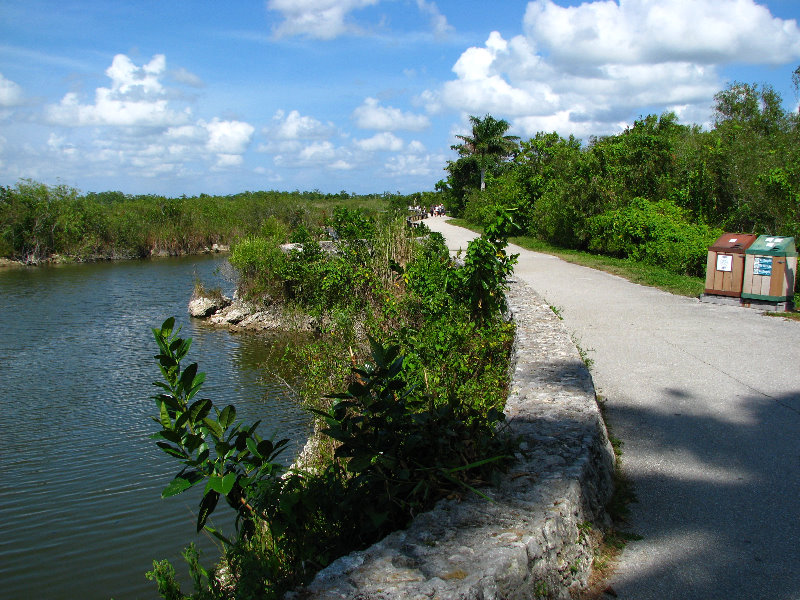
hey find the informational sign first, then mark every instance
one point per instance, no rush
(762, 265)
(724, 262)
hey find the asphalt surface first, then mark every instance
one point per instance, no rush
(706, 400)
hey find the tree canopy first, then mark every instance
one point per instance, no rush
(651, 191)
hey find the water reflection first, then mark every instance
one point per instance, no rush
(80, 480)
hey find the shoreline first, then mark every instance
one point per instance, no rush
(67, 259)
(241, 315)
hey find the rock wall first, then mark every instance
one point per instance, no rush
(533, 540)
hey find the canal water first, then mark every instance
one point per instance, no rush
(80, 480)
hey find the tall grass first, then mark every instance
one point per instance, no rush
(38, 221)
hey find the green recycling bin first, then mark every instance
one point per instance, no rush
(769, 269)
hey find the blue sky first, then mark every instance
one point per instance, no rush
(359, 95)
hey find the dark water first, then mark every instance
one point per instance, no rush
(80, 481)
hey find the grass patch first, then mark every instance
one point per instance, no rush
(792, 316)
(635, 272)
(613, 540)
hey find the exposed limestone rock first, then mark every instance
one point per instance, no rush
(203, 307)
(240, 315)
(532, 541)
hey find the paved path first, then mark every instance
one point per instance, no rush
(706, 399)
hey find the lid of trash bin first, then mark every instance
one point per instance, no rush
(773, 245)
(733, 242)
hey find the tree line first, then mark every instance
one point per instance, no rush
(38, 221)
(659, 192)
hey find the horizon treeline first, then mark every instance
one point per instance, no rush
(660, 192)
(38, 221)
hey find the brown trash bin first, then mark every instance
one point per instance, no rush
(725, 265)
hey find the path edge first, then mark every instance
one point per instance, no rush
(536, 539)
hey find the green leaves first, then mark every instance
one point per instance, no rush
(241, 460)
(222, 485)
(181, 483)
(227, 416)
(401, 448)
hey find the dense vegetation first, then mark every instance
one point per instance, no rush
(38, 221)
(660, 192)
(421, 349)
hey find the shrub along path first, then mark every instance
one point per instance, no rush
(706, 399)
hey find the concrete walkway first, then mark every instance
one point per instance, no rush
(706, 399)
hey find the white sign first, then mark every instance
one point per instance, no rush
(724, 262)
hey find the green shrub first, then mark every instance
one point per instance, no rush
(351, 224)
(259, 260)
(398, 452)
(656, 233)
(481, 282)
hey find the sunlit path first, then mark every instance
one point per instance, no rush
(707, 401)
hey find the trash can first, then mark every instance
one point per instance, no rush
(769, 269)
(725, 266)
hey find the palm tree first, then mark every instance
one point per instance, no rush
(488, 143)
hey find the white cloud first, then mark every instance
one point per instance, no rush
(228, 137)
(135, 127)
(187, 133)
(592, 68)
(341, 165)
(370, 115)
(408, 165)
(318, 155)
(294, 126)
(658, 31)
(380, 141)
(317, 152)
(108, 110)
(135, 99)
(321, 19)
(225, 161)
(126, 77)
(59, 145)
(185, 77)
(438, 21)
(416, 147)
(10, 92)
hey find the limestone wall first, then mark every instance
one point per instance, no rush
(532, 541)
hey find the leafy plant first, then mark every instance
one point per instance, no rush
(231, 458)
(404, 450)
(486, 268)
(657, 233)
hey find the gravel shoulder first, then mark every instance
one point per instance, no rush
(706, 399)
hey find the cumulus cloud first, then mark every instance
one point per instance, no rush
(225, 161)
(592, 68)
(136, 98)
(10, 93)
(294, 126)
(317, 154)
(381, 141)
(228, 137)
(320, 19)
(411, 165)
(136, 126)
(371, 115)
(659, 31)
